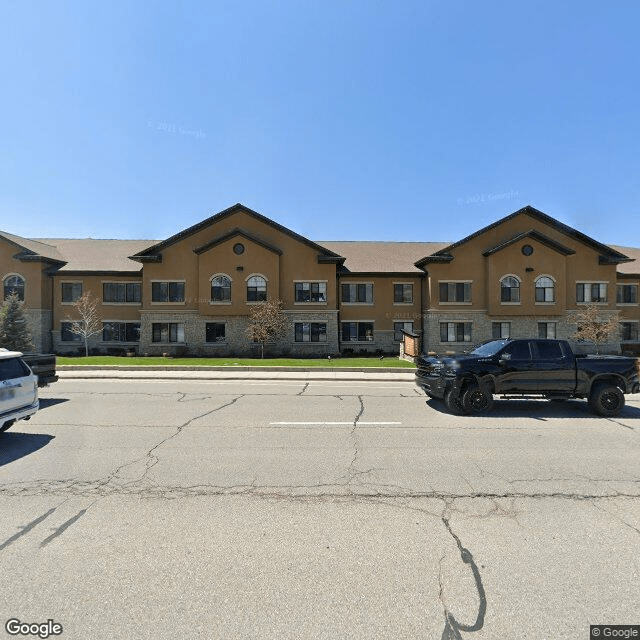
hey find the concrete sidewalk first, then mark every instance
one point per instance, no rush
(235, 373)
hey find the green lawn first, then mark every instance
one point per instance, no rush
(236, 362)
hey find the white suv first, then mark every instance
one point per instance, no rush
(18, 389)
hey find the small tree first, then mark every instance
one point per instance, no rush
(14, 326)
(267, 323)
(591, 327)
(90, 323)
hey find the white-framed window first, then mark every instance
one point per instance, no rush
(167, 291)
(457, 292)
(167, 332)
(591, 292)
(455, 331)
(310, 331)
(310, 292)
(627, 294)
(256, 288)
(398, 327)
(71, 292)
(547, 330)
(220, 288)
(545, 289)
(500, 330)
(117, 331)
(121, 292)
(356, 331)
(510, 289)
(13, 283)
(357, 292)
(402, 293)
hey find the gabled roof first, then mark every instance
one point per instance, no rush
(607, 254)
(33, 249)
(152, 253)
(629, 268)
(234, 233)
(534, 235)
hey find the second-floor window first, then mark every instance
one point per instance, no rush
(359, 293)
(221, 289)
(402, 293)
(627, 294)
(509, 289)
(455, 292)
(310, 291)
(591, 292)
(167, 292)
(121, 292)
(71, 291)
(545, 289)
(256, 289)
(14, 284)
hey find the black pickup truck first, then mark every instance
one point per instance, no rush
(517, 368)
(43, 365)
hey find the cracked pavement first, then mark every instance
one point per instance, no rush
(297, 509)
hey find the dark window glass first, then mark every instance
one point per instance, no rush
(403, 293)
(518, 350)
(455, 291)
(221, 289)
(66, 335)
(167, 291)
(215, 332)
(549, 350)
(256, 289)
(14, 284)
(13, 368)
(71, 291)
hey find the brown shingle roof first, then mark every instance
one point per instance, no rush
(390, 257)
(36, 247)
(98, 255)
(628, 267)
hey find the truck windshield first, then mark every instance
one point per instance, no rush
(489, 348)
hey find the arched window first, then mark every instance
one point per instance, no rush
(545, 289)
(256, 289)
(221, 289)
(14, 284)
(510, 289)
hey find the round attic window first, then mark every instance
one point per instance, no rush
(238, 248)
(527, 249)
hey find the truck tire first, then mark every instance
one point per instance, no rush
(6, 425)
(453, 401)
(476, 400)
(606, 400)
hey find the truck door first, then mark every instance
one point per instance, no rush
(556, 369)
(517, 369)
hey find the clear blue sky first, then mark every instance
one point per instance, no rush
(357, 119)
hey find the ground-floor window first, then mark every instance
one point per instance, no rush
(629, 331)
(310, 331)
(121, 332)
(455, 332)
(357, 331)
(67, 335)
(500, 330)
(546, 330)
(215, 332)
(167, 332)
(398, 327)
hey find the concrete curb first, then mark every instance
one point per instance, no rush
(89, 367)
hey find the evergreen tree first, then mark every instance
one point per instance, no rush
(14, 329)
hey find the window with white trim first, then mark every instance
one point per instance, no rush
(627, 294)
(310, 292)
(402, 293)
(122, 292)
(510, 289)
(167, 332)
(357, 293)
(310, 331)
(591, 292)
(71, 291)
(168, 291)
(256, 289)
(221, 288)
(455, 291)
(455, 331)
(545, 289)
(14, 284)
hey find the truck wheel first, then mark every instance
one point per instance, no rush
(476, 400)
(6, 425)
(453, 402)
(606, 400)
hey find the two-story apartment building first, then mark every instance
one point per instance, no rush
(526, 274)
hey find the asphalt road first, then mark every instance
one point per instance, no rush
(292, 509)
